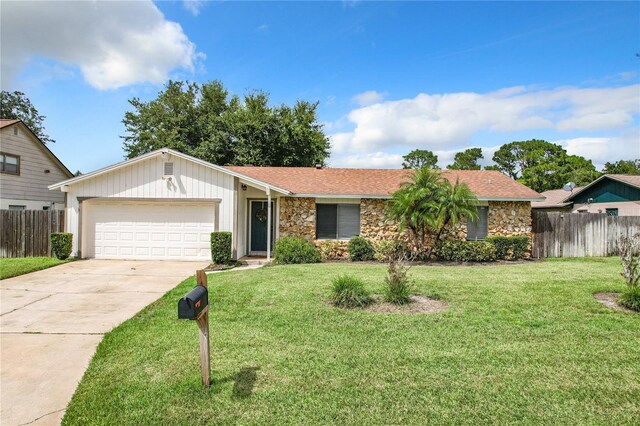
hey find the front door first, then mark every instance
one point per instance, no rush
(258, 224)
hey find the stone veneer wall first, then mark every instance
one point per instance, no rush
(297, 219)
(509, 218)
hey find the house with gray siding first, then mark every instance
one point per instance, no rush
(27, 168)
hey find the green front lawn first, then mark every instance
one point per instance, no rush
(523, 343)
(23, 265)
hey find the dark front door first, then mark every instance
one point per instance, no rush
(259, 225)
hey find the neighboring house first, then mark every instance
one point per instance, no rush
(612, 194)
(164, 204)
(27, 168)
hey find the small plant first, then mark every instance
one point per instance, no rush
(629, 257)
(398, 286)
(61, 244)
(360, 249)
(329, 249)
(295, 250)
(221, 248)
(348, 292)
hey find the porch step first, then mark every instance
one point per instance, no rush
(254, 261)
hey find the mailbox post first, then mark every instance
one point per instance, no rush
(195, 306)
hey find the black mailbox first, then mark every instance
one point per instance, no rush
(190, 306)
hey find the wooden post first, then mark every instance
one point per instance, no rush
(203, 325)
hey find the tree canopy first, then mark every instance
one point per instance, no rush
(542, 166)
(623, 167)
(419, 158)
(16, 106)
(467, 160)
(207, 123)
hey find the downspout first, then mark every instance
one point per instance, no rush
(268, 223)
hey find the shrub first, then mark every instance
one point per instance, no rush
(466, 251)
(630, 298)
(61, 244)
(349, 292)
(511, 248)
(630, 259)
(295, 250)
(360, 249)
(398, 287)
(221, 247)
(385, 250)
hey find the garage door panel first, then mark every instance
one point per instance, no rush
(117, 230)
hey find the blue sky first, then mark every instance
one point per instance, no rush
(390, 77)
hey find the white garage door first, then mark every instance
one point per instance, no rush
(152, 230)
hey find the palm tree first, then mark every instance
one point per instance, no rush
(427, 203)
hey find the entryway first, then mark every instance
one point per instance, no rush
(258, 227)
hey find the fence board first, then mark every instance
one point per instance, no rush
(580, 234)
(25, 233)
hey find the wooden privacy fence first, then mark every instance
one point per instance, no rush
(25, 233)
(580, 234)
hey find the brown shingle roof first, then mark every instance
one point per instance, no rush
(554, 198)
(633, 180)
(5, 122)
(486, 184)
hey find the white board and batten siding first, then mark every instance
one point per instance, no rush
(196, 184)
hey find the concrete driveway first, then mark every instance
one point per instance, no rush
(51, 322)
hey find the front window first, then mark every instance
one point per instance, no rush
(337, 221)
(10, 164)
(612, 212)
(478, 230)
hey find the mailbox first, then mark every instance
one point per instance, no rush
(191, 305)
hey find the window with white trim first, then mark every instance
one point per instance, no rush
(337, 221)
(478, 229)
(10, 164)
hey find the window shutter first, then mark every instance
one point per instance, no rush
(326, 221)
(478, 230)
(348, 220)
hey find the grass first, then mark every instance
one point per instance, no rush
(523, 343)
(19, 266)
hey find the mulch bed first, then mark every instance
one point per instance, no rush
(610, 300)
(418, 305)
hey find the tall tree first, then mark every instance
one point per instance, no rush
(16, 105)
(623, 167)
(427, 204)
(542, 165)
(204, 121)
(419, 158)
(467, 160)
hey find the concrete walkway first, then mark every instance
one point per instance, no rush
(51, 322)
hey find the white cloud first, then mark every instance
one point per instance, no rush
(435, 121)
(605, 149)
(368, 98)
(262, 28)
(113, 43)
(193, 6)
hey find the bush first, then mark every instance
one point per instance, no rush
(329, 249)
(61, 244)
(295, 250)
(221, 247)
(510, 248)
(466, 251)
(385, 250)
(398, 287)
(349, 292)
(360, 249)
(630, 298)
